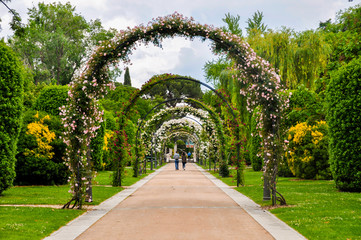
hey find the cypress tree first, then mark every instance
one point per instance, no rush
(11, 108)
(127, 80)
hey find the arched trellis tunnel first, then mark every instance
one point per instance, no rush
(165, 78)
(178, 111)
(181, 110)
(81, 116)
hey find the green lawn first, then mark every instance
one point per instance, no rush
(316, 208)
(36, 222)
(33, 223)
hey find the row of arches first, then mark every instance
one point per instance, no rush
(260, 83)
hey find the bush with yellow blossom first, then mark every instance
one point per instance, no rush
(40, 151)
(43, 138)
(307, 151)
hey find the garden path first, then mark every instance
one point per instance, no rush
(188, 204)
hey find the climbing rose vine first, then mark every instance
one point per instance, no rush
(81, 116)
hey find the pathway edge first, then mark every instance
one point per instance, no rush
(276, 227)
(80, 224)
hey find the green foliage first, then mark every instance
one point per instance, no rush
(39, 169)
(350, 19)
(232, 24)
(110, 121)
(175, 89)
(213, 70)
(51, 98)
(299, 57)
(223, 169)
(115, 100)
(170, 145)
(56, 40)
(305, 106)
(307, 151)
(255, 146)
(255, 25)
(11, 107)
(97, 148)
(344, 119)
(181, 146)
(127, 80)
(344, 37)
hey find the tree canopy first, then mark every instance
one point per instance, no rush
(56, 41)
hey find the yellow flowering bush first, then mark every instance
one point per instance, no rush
(40, 151)
(107, 160)
(43, 138)
(307, 151)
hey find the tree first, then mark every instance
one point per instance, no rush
(176, 89)
(56, 41)
(232, 24)
(344, 120)
(127, 80)
(11, 107)
(255, 24)
(15, 23)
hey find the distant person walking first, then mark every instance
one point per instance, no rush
(189, 155)
(184, 160)
(176, 160)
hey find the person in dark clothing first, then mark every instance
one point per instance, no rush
(184, 160)
(176, 160)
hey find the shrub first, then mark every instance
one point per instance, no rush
(344, 118)
(11, 107)
(305, 106)
(40, 151)
(255, 145)
(307, 153)
(110, 122)
(96, 146)
(107, 154)
(223, 169)
(51, 98)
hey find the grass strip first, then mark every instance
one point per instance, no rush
(316, 208)
(37, 222)
(33, 223)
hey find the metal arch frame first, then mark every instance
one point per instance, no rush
(154, 142)
(143, 90)
(213, 117)
(185, 132)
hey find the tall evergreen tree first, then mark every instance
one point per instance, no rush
(127, 80)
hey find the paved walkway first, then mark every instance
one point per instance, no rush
(171, 204)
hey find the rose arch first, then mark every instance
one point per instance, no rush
(211, 122)
(81, 116)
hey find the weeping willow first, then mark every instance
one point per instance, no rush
(300, 58)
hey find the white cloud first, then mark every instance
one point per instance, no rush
(179, 55)
(119, 22)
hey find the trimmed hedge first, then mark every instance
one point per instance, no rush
(344, 120)
(11, 108)
(51, 98)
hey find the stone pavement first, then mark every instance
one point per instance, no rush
(169, 204)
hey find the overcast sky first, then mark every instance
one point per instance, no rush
(181, 56)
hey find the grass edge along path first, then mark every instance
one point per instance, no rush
(316, 209)
(39, 222)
